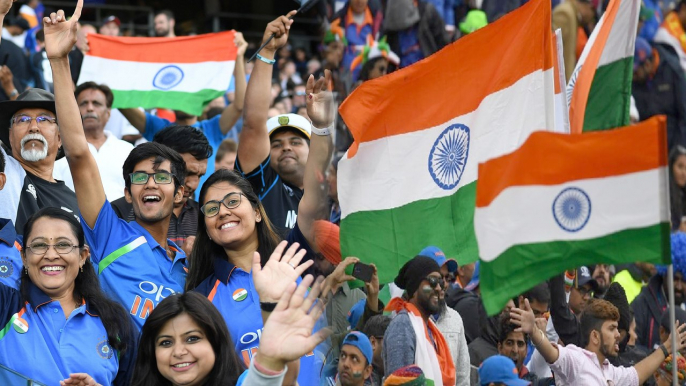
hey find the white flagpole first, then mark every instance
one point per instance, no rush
(672, 318)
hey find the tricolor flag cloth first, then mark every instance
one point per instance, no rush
(409, 179)
(599, 91)
(182, 73)
(562, 201)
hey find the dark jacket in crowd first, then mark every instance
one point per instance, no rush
(486, 345)
(565, 322)
(665, 94)
(468, 305)
(648, 308)
(430, 31)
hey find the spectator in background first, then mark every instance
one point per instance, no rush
(216, 129)
(9, 85)
(355, 360)
(16, 60)
(164, 24)
(413, 337)
(500, 370)
(226, 155)
(15, 31)
(663, 375)
(569, 16)
(446, 9)
(495, 9)
(665, 322)
(332, 181)
(653, 19)
(671, 32)
(415, 30)
(32, 12)
(300, 60)
(375, 328)
(467, 303)
(659, 87)
(299, 95)
(475, 19)
(76, 56)
(651, 302)
(677, 185)
(486, 345)
(374, 59)
(358, 19)
(633, 277)
(628, 354)
(95, 103)
(10, 244)
(513, 344)
(110, 26)
(603, 275)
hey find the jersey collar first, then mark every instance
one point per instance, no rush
(8, 234)
(223, 269)
(38, 298)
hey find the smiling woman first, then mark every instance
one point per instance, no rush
(59, 291)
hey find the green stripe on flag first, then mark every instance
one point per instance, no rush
(191, 103)
(5, 330)
(389, 238)
(523, 266)
(610, 96)
(104, 263)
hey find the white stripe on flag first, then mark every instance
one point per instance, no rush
(618, 46)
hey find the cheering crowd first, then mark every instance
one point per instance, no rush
(162, 248)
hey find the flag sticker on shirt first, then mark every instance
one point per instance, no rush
(20, 325)
(240, 294)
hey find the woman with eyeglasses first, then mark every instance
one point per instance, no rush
(677, 186)
(60, 328)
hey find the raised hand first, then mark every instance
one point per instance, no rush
(287, 335)
(524, 318)
(280, 29)
(320, 105)
(281, 270)
(79, 379)
(241, 44)
(680, 338)
(5, 6)
(338, 276)
(60, 34)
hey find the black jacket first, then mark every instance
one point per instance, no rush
(565, 322)
(648, 308)
(468, 305)
(486, 345)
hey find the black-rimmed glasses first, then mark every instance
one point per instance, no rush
(230, 201)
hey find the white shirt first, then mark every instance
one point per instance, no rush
(19, 40)
(576, 366)
(110, 159)
(118, 125)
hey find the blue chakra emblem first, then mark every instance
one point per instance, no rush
(448, 157)
(572, 209)
(6, 268)
(104, 350)
(168, 77)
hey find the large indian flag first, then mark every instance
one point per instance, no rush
(562, 201)
(182, 73)
(409, 180)
(599, 90)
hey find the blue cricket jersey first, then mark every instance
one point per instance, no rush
(39, 342)
(10, 254)
(133, 268)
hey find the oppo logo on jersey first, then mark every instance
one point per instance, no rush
(158, 291)
(250, 337)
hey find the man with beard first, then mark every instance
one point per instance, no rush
(355, 363)
(95, 104)
(164, 24)
(590, 365)
(413, 337)
(29, 129)
(448, 321)
(136, 263)
(652, 301)
(603, 275)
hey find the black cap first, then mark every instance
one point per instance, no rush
(34, 98)
(583, 277)
(110, 19)
(20, 22)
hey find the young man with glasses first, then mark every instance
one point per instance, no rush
(413, 337)
(29, 130)
(137, 265)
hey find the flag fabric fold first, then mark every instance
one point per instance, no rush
(182, 73)
(562, 201)
(409, 180)
(599, 90)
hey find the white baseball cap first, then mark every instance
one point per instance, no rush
(289, 120)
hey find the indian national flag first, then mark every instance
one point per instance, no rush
(599, 91)
(409, 180)
(182, 73)
(562, 201)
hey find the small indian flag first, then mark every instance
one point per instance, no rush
(182, 73)
(409, 180)
(599, 90)
(20, 325)
(240, 294)
(562, 201)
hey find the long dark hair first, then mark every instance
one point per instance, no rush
(368, 67)
(114, 317)
(205, 250)
(677, 194)
(227, 366)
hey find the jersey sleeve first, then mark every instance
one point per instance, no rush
(262, 179)
(153, 124)
(10, 303)
(109, 234)
(212, 130)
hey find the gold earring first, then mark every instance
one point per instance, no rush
(82, 269)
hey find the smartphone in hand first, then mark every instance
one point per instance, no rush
(363, 272)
